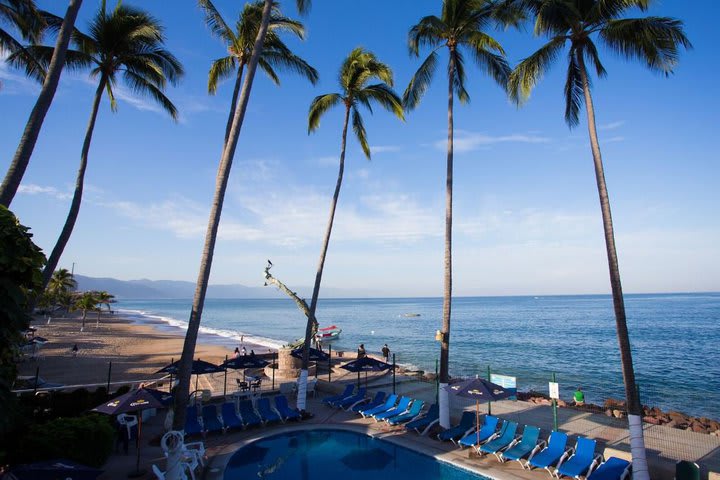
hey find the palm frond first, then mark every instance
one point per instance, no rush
(303, 6)
(141, 85)
(30, 60)
(458, 76)
(291, 62)
(420, 81)
(530, 70)
(319, 106)
(603, 10)
(655, 40)
(215, 22)
(386, 97)
(591, 54)
(109, 89)
(574, 97)
(429, 32)
(360, 132)
(8, 42)
(554, 16)
(268, 69)
(220, 69)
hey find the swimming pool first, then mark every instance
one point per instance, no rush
(336, 454)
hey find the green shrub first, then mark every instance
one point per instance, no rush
(87, 440)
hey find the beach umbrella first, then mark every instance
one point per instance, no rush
(199, 367)
(132, 401)
(241, 363)
(54, 469)
(367, 364)
(315, 354)
(163, 397)
(480, 390)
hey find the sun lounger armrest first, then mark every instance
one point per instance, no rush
(567, 454)
(432, 424)
(535, 450)
(595, 463)
(627, 472)
(514, 442)
(468, 431)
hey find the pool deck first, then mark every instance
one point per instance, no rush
(664, 445)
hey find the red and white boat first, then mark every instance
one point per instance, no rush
(328, 334)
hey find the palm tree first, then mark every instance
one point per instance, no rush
(20, 161)
(126, 40)
(87, 302)
(240, 44)
(460, 27)
(358, 69)
(23, 16)
(655, 41)
(62, 281)
(223, 175)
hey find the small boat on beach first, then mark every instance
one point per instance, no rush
(411, 314)
(328, 334)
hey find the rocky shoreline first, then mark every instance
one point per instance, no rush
(616, 408)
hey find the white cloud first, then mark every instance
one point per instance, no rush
(465, 141)
(384, 148)
(612, 125)
(33, 189)
(614, 139)
(14, 82)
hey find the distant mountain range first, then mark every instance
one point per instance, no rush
(157, 289)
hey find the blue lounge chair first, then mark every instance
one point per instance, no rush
(612, 469)
(466, 423)
(582, 460)
(352, 399)
(389, 403)
(378, 400)
(247, 413)
(211, 422)
(523, 448)
(229, 417)
(346, 393)
(549, 455)
(281, 404)
(192, 425)
(266, 412)
(487, 430)
(423, 424)
(413, 412)
(401, 407)
(500, 442)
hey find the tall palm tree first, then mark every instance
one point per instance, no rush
(655, 41)
(60, 288)
(22, 16)
(20, 161)
(240, 45)
(128, 41)
(359, 68)
(459, 28)
(87, 302)
(223, 175)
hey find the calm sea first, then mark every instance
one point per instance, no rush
(674, 337)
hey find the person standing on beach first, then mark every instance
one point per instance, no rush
(386, 353)
(361, 351)
(244, 351)
(579, 397)
(236, 354)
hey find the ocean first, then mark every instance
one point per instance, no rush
(674, 338)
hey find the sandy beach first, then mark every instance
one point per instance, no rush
(135, 350)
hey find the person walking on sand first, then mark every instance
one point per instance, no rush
(74, 350)
(361, 351)
(386, 353)
(236, 354)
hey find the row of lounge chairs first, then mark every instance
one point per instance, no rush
(504, 442)
(246, 415)
(552, 455)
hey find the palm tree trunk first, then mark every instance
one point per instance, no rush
(634, 408)
(302, 383)
(444, 403)
(20, 161)
(223, 175)
(233, 102)
(77, 195)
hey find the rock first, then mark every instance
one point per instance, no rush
(716, 433)
(652, 420)
(618, 413)
(561, 403)
(698, 427)
(678, 417)
(614, 404)
(609, 412)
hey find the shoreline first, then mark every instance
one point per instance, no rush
(137, 349)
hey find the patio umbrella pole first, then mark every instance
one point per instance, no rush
(225, 380)
(172, 360)
(273, 370)
(108, 382)
(137, 472)
(329, 362)
(393, 373)
(489, 410)
(477, 419)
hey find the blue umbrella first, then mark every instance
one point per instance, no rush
(315, 354)
(54, 469)
(480, 390)
(367, 364)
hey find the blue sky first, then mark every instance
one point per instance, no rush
(527, 218)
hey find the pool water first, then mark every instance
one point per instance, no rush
(336, 454)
